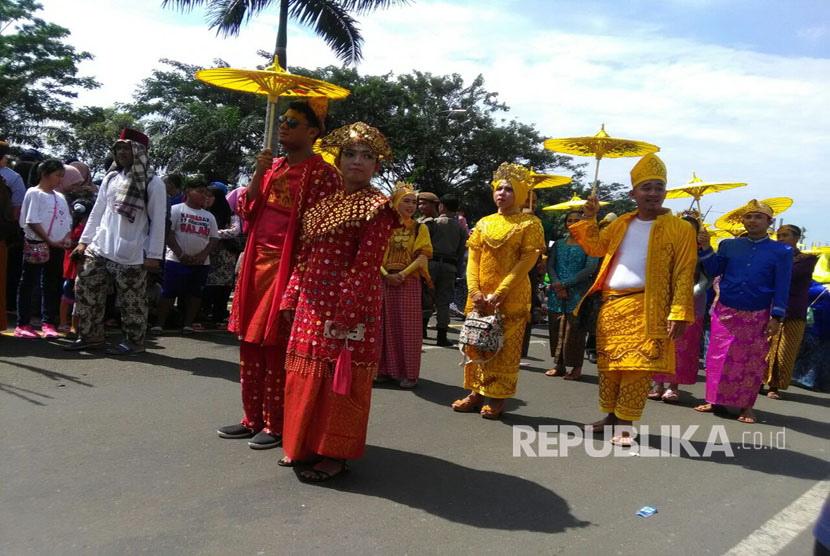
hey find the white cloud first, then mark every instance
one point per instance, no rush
(728, 114)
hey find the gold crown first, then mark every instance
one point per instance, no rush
(401, 185)
(357, 132)
(693, 212)
(758, 206)
(510, 171)
(650, 167)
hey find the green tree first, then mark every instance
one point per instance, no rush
(89, 133)
(198, 128)
(38, 73)
(332, 20)
(448, 135)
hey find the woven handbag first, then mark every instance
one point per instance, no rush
(485, 333)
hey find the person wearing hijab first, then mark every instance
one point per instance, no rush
(645, 306)
(404, 267)
(502, 249)
(123, 239)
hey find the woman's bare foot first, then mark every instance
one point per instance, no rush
(773, 394)
(747, 416)
(599, 426)
(556, 371)
(575, 374)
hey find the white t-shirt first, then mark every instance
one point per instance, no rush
(38, 208)
(193, 230)
(114, 237)
(628, 271)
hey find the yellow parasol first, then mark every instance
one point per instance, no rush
(328, 156)
(599, 146)
(696, 188)
(574, 203)
(543, 181)
(733, 220)
(272, 81)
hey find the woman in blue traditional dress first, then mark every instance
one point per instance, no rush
(570, 271)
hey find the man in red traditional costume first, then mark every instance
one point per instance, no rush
(334, 303)
(273, 204)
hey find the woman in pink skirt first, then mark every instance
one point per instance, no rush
(687, 347)
(404, 265)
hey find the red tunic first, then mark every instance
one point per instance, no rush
(273, 218)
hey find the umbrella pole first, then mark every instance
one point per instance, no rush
(596, 179)
(269, 123)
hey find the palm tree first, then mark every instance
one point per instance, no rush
(332, 20)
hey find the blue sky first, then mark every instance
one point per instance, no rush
(735, 90)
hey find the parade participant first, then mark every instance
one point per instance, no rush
(646, 281)
(448, 240)
(46, 222)
(123, 239)
(687, 346)
(273, 204)
(570, 270)
(502, 249)
(192, 238)
(404, 266)
(334, 302)
(752, 302)
(784, 345)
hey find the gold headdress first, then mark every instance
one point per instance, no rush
(693, 213)
(650, 167)
(517, 175)
(757, 206)
(357, 132)
(401, 190)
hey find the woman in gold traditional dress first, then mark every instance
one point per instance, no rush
(404, 265)
(503, 248)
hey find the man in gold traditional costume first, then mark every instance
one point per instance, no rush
(646, 280)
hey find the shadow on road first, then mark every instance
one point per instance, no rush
(484, 499)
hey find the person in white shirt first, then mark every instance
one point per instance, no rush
(193, 235)
(122, 240)
(46, 223)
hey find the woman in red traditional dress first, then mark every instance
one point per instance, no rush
(333, 301)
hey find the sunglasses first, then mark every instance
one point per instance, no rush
(290, 123)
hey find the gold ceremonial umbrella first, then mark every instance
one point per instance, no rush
(327, 155)
(574, 203)
(543, 181)
(696, 188)
(272, 81)
(599, 146)
(733, 220)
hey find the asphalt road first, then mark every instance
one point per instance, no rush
(106, 456)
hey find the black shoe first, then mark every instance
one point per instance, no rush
(265, 441)
(235, 431)
(82, 344)
(592, 357)
(442, 339)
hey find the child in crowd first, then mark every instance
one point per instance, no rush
(46, 222)
(80, 212)
(193, 235)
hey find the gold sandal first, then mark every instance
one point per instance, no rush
(468, 404)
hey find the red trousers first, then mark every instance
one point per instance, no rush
(262, 377)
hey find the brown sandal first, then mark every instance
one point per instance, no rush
(468, 404)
